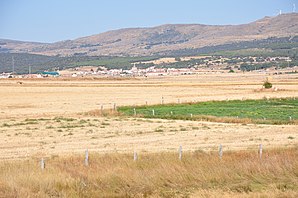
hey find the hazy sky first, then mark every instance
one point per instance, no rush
(55, 20)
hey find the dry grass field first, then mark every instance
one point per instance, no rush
(65, 135)
(65, 97)
(198, 174)
(60, 118)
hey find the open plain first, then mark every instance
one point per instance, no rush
(58, 119)
(62, 116)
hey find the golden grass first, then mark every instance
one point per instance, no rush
(240, 120)
(198, 118)
(104, 112)
(71, 96)
(199, 174)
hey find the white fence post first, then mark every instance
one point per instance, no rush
(171, 112)
(101, 109)
(180, 152)
(135, 156)
(162, 100)
(220, 151)
(260, 150)
(191, 115)
(42, 164)
(134, 112)
(86, 157)
(153, 112)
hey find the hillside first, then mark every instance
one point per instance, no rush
(39, 63)
(283, 46)
(161, 40)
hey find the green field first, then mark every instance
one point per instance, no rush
(272, 111)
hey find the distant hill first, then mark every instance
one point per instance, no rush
(161, 40)
(273, 46)
(40, 63)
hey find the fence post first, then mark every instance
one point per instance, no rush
(153, 112)
(191, 115)
(171, 112)
(162, 100)
(86, 157)
(135, 156)
(260, 150)
(42, 164)
(146, 102)
(290, 118)
(180, 152)
(220, 151)
(134, 112)
(115, 107)
(101, 109)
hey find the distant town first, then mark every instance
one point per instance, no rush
(200, 65)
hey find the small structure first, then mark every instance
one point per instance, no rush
(52, 73)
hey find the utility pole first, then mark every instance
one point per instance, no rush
(12, 64)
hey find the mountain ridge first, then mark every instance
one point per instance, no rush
(146, 41)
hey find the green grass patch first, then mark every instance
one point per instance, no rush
(272, 111)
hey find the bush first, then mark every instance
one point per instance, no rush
(267, 84)
(178, 59)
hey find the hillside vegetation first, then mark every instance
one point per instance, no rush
(41, 63)
(271, 47)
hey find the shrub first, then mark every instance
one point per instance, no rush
(267, 84)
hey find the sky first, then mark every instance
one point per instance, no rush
(56, 20)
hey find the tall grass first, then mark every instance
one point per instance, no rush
(154, 175)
